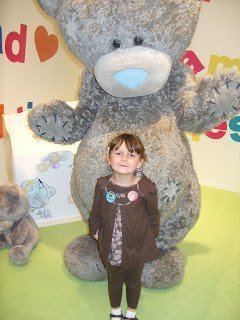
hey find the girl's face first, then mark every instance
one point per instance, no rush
(124, 162)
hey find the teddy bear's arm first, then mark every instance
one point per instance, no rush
(202, 104)
(59, 123)
(19, 232)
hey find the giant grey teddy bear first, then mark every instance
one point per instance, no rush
(134, 82)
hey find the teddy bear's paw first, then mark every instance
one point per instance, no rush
(5, 225)
(19, 254)
(54, 122)
(170, 192)
(164, 272)
(224, 101)
(82, 259)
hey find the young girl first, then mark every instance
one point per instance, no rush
(125, 221)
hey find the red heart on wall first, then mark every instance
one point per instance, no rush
(46, 45)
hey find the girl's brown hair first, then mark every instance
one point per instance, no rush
(133, 144)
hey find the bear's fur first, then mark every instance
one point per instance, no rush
(134, 82)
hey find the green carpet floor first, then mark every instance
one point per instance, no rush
(44, 290)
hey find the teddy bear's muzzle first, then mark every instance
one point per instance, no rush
(133, 72)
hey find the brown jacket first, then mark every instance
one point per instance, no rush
(140, 221)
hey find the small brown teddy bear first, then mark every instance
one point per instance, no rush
(17, 228)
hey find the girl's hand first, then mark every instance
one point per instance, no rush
(95, 236)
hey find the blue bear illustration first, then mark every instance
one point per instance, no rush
(38, 194)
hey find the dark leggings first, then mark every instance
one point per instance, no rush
(132, 279)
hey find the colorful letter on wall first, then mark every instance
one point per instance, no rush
(234, 125)
(1, 120)
(21, 38)
(192, 61)
(225, 61)
(1, 40)
(217, 132)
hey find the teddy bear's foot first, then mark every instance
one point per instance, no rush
(19, 254)
(164, 272)
(82, 259)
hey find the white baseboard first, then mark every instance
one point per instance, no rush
(218, 186)
(48, 222)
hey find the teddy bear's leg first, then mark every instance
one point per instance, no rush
(76, 195)
(168, 269)
(164, 272)
(82, 259)
(19, 254)
(175, 227)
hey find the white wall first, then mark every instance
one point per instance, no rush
(33, 80)
(216, 160)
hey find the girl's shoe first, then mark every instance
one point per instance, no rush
(125, 318)
(113, 316)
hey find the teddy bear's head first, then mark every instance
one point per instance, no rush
(13, 206)
(130, 46)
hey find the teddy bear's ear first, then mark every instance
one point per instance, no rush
(49, 6)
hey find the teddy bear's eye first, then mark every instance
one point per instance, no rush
(138, 41)
(116, 43)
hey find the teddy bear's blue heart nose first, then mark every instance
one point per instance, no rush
(131, 78)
